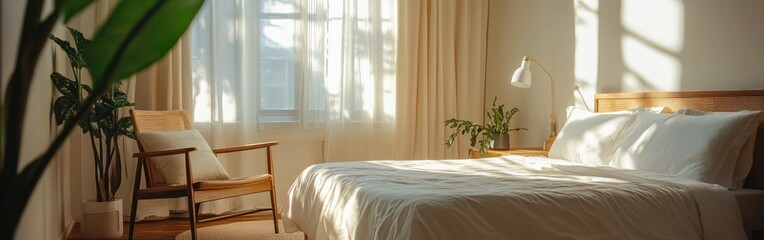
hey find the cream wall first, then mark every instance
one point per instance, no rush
(47, 215)
(620, 46)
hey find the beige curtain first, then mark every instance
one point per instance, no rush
(440, 72)
(166, 85)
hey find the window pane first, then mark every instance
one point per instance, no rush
(279, 6)
(277, 64)
(277, 84)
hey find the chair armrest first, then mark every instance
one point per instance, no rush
(245, 147)
(164, 152)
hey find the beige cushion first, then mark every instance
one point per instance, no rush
(204, 164)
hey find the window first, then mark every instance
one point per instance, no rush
(293, 61)
(278, 61)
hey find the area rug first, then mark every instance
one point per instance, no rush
(249, 230)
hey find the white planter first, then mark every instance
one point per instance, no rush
(102, 220)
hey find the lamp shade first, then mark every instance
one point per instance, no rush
(522, 76)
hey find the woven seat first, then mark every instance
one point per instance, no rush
(233, 182)
(201, 191)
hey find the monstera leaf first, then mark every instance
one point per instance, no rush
(137, 34)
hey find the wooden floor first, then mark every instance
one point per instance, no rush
(168, 229)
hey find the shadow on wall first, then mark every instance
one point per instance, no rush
(668, 45)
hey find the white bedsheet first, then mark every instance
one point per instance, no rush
(511, 197)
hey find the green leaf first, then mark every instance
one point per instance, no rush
(79, 39)
(64, 107)
(124, 127)
(84, 125)
(81, 42)
(103, 109)
(120, 99)
(70, 52)
(65, 86)
(73, 7)
(87, 89)
(164, 22)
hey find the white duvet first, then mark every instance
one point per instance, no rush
(511, 197)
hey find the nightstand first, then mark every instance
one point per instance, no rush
(475, 153)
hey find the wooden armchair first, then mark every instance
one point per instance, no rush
(199, 191)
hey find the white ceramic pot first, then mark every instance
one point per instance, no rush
(102, 220)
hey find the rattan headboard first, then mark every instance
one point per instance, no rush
(713, 101)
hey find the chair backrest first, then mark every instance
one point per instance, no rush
(148, 121)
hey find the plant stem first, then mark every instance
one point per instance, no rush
(34, 34)
(17, 94)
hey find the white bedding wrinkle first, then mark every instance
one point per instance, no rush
(511, 197)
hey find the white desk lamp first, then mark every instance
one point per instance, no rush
(522, 79)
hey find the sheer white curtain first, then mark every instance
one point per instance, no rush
(359, 76)
(296, 71)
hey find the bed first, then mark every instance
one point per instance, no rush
(516, 197)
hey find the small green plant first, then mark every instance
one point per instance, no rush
(102, 120)
(498, 124)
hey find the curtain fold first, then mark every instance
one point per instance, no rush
(441, 74)
(359, 75)
(166, 85)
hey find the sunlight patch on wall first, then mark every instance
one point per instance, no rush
(653, 36)
(659, 22)
(587, 49)
(648, 68)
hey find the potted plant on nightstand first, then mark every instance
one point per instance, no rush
(493, 135)
(105, 126)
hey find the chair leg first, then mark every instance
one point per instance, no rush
(275, 210)
(133, 210)
(192, 216)
(136, 186)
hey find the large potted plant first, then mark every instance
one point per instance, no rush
(493, 135)
(104, 125)
(135, 35)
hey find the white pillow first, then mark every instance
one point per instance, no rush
(745, 158)
(589, 137)
(704, 148)
(204, 164)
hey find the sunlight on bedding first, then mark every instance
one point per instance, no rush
(501, 198)
(629, 161)
(591, 140)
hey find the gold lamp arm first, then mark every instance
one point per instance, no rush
(553, 123)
